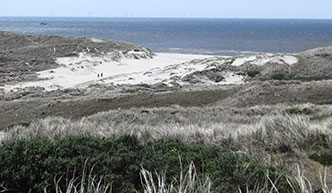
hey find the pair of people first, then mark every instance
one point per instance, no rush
(100, 75)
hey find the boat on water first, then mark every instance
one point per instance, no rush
(43, 23)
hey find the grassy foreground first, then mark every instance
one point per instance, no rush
(292, 140)
(35, 165)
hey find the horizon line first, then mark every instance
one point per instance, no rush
(152, 17)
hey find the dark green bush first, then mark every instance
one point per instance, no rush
(312, 78)
(281, 76)
(3, 60)
(71, 55)
(297, 111)
(33, 165)
(325, 103)
(320, 117)
(252, 73)
(322, 158)
(278, 76)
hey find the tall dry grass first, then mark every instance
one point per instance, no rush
(87, 183)
(208, 125)
(264, 133)
(189, 182)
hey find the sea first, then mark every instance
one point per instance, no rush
(188, 35)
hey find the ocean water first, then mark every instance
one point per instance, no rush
(199, 36)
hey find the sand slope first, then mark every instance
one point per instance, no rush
(135, 67)
(86, 69)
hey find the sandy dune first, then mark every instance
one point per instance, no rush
(136, 68)
(84, 70)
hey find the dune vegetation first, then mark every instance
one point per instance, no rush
(294, 141)
(247, 123)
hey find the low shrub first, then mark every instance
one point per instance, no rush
(325, 103)
(31, 166)
(278, 76)
(324, 158)
(312, 78)
(252, 73)
(297, 111)
(3, 60)
(316, 142)
(320, 117)
(71, 55)
(282, 76)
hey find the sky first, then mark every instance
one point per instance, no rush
(169, 8)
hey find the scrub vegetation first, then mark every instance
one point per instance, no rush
(255, 149)
(268, 130)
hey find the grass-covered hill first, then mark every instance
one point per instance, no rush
(22, 55)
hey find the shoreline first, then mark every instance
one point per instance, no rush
(222, 40)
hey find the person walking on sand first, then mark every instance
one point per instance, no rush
(98, 76)
(101, 75)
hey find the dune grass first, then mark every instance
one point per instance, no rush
(190, 183)
(268, 125)
(264, 133)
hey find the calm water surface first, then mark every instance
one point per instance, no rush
(206, 36)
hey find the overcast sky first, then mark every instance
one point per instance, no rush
(170, 8)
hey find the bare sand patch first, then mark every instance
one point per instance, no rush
(87, 69)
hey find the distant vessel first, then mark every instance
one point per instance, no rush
(43, 23)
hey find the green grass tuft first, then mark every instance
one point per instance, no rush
(4, 60)
(297, 111)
